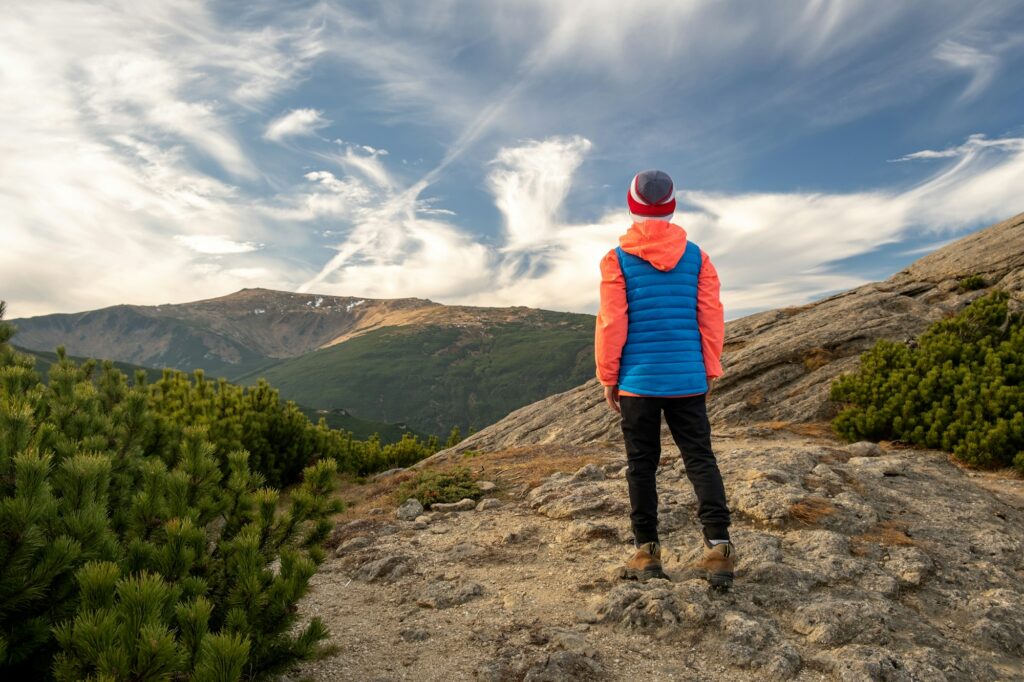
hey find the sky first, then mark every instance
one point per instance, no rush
(158, 151)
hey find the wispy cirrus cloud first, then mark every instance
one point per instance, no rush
(980, 66)
(133, 161)
(295, 123)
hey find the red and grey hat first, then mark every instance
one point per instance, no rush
(651, 195)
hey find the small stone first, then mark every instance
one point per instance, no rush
(409, 510)
(486, 486)
(488, 503)
(590, 472)
(418, 525)
(465, 504)
(413, 634)
(424, 518)
(865, 448)
(465, 550)
(587, 531)
(358, 542)
(387, 569)
(377, 511)
(445, 594)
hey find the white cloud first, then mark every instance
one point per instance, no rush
(296, 123)
(530, 184)
(111, 112)
(771, 249)
(981, 66)
(214, 244)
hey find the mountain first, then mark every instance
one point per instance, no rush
(410, 361)
(780, 363)
(436, 376)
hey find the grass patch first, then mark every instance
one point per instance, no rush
(810, 510)
(885, 533)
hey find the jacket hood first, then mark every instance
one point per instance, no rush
(658, 242)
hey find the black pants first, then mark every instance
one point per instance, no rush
(688, 421)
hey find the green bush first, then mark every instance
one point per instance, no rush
(431, 487)
(972, 283)
(959, 388)
(118, 562)
(280, 439)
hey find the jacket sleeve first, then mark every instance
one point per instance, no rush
(710, 317)
(612, 323)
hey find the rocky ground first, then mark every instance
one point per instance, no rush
(856, 562)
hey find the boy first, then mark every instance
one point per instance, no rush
(658, 344)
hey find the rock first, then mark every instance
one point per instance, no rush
(465, 504)
(358, 542)
(424, 518)
(825, 554)
(486, 486)
(557, 501)
(413, 635)
(651, 608)
(387, 569)
(865, 664)
(590, 472)
(865, 448)
(561, 666)
(443, 594)
(999, 620)
(909, 565)
(389, 472)
(418, 525)
(571, 640)
(833, 622)
(349, 530)
(488, 503)
(465, 550)
(376, 511)
(519, 535)
(754, 643)
(409, 510)
(588, 531)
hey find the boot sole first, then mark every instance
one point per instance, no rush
(643, 575)
(721, 580)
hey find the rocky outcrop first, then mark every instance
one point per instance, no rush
(779, 364)
(854, 563)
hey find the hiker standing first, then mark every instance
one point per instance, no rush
(658, 344)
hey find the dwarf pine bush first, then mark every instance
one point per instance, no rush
(132, 548)
(959, 389)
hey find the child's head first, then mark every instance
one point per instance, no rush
(651, 196)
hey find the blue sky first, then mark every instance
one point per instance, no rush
(479, 152)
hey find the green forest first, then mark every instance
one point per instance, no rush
(958, 387)
(142, 532)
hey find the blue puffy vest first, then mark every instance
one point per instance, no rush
(662, 355)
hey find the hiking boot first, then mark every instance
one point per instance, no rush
(645, 564)
(718, 564)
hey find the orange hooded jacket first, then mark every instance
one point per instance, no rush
(661, 244)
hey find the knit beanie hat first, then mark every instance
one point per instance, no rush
(651, 195)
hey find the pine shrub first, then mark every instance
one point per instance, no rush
(959, 388)
(132, 547)
(431, 487)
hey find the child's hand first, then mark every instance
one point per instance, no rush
(611, 395)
